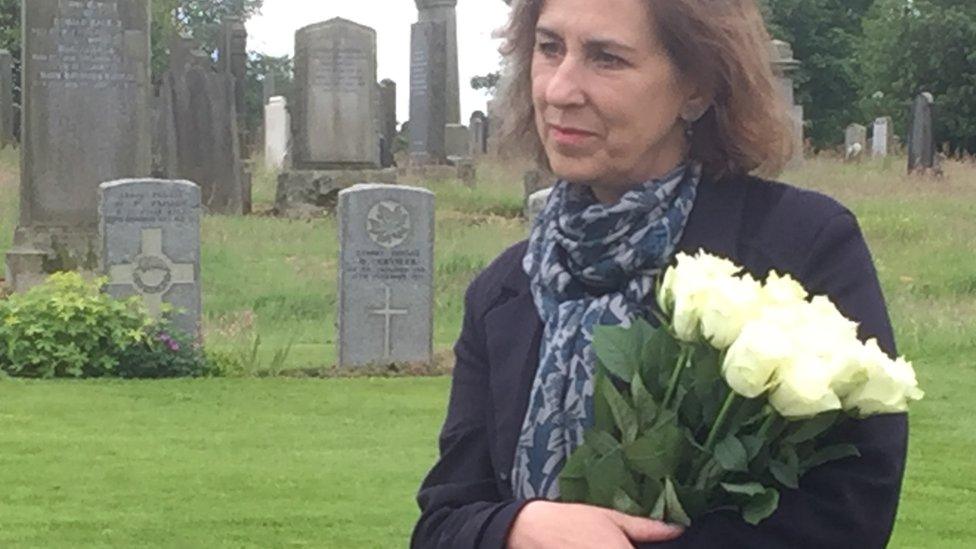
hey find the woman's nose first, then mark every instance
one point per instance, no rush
(565, 86)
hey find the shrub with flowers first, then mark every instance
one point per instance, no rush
(730, 400)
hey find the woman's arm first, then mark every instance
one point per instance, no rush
(848, 503)
(459, 500)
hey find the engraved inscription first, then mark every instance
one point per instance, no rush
(84, 47)
(152, 207)
(388, 224)
(339, 69)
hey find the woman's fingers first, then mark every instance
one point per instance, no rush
(644, 530)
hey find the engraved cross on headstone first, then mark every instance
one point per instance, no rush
(388, 313)
(152, 273)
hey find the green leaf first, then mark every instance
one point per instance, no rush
(619, 349)
(812, 428)
(573, 490)
(828, 454)
(602, 442)
(605, 476)
(575, 466)
(625, 504)
(658, 358)
(650, 491)
(761, 506)
(644, 403)
(675, 511)
(752, 444)
(659, 452)
(749, 489)
(660, 506)
(731, 455)
(788, 475)
(602, 414)
(623, 414)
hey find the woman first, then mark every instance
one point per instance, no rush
(652, 113)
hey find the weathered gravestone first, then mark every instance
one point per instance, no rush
(882, 137)
(196, 103)
(232, 60)
(478, 130)
(6, 99)
(855, 142)
(921, 136)
(537, 203)
(86, 120)
(150, 238)
(428, 65)
(388, 121)
(385, 275)
(276, 132)
(445, 13)
(784, 66)
(334, 119)
(456, 142)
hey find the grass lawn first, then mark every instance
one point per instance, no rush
(247, 462)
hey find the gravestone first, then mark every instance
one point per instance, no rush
(855, 142)
(492, 131)
(921, 136)
(386, 270)
(388, 120)
(536, 203)
(428, 118)
(150, 237)
(86, 120)
(334, 118)
(882, 143)
(276, 132)
(197, 103)
(232, 60)
(336, 123)
(784, 66)
(456, 141)
(478, 140)
(6, 99)
(445, 12)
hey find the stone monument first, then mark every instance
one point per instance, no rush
(388, 121)
(386, 271)
(86, 120)
(784, 67)
(445, 12)
(855, 143)
(428, 87)
(7, 136)
(478, 129)
(150, 238)
(277, 131)
(921, 135)
(882, 138)
(335, 117)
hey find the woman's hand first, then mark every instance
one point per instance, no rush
(546, 524)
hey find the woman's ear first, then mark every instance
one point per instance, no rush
(696, 106)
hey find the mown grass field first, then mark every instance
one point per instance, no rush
(247, 462)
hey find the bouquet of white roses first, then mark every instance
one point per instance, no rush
(730, 400)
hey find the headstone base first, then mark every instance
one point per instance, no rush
(314, 193)
(39, 252)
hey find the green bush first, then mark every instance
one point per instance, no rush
(67, 327)
(164, 354)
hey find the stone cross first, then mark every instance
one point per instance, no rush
(150, 238)
(386, 246)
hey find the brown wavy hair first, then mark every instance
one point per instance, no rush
(722, 45)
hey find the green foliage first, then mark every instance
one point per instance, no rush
(673, 453)
(922, 45)
(824, 35)
(164, 353)
(67, 328)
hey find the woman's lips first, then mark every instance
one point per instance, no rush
(564, 135)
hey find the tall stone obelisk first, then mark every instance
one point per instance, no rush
(444, 11)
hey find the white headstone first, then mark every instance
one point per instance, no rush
(881, 139)
(277, 130)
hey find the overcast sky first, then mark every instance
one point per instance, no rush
(273, 32)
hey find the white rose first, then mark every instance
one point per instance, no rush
(803, 389)
(728, 303)
(665, 294)
(782, 290)
(753, 360)
(687, 290)
(889, 387)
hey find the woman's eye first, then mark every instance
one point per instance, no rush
(609, 60)
(549, 49)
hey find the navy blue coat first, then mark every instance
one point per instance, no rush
(466, 500)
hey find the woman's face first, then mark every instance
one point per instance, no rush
(608, 98)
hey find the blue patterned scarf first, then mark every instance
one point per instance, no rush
(589, 264)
